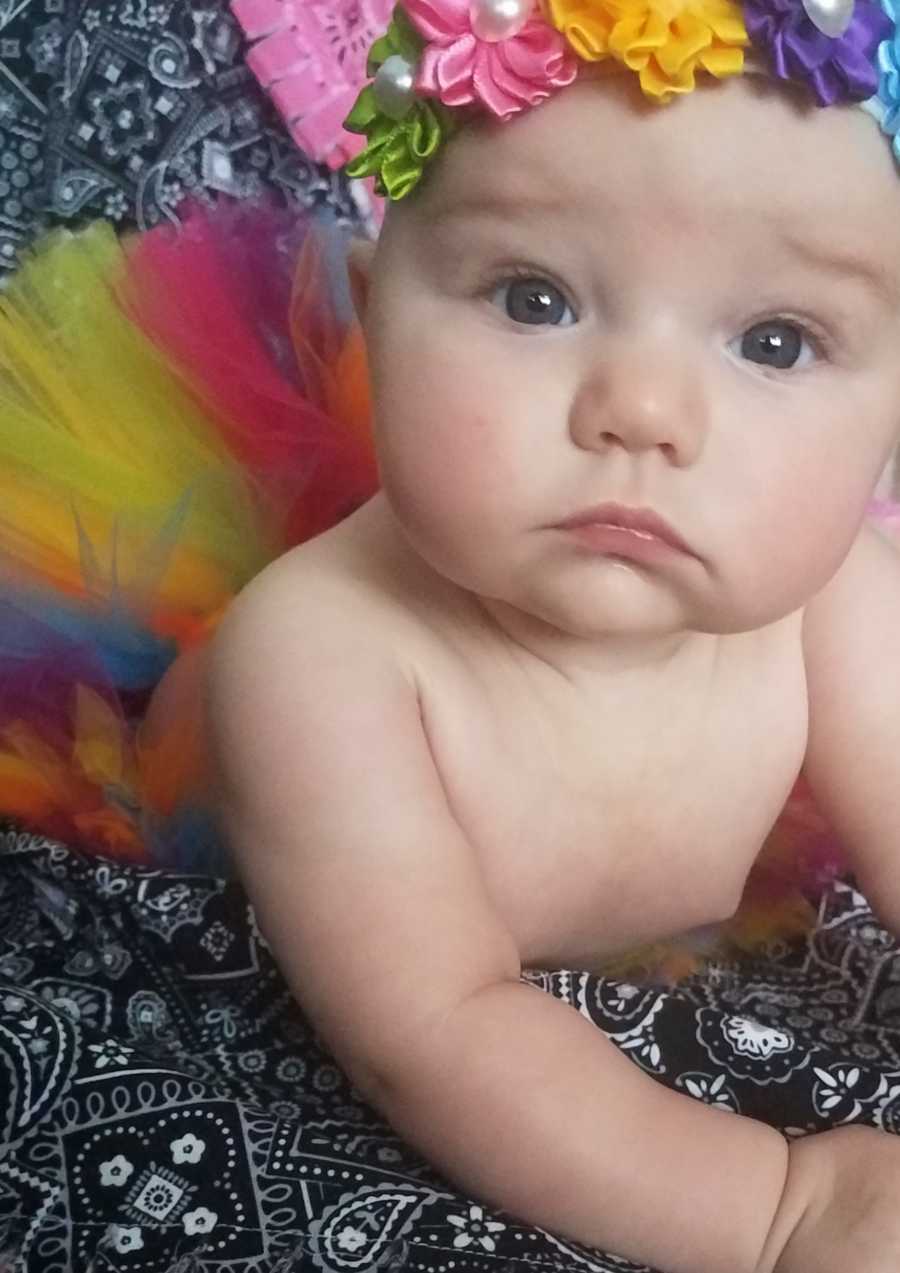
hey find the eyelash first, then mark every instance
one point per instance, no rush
(514, 273)
(818, 337)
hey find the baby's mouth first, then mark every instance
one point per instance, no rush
(619, 524)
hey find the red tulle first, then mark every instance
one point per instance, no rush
(216, 297)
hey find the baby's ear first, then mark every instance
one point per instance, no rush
(360, 256)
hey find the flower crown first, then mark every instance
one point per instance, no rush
(440, 61)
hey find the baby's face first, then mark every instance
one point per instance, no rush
(692, 309)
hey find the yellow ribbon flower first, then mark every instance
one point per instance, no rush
(665, 41)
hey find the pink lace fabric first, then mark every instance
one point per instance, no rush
(310, 57)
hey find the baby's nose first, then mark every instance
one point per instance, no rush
(641, 403)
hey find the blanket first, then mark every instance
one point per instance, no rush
(166, 1107)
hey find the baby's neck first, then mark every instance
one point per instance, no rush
(595, 656)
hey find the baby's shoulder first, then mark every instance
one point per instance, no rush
(861, 598)
(307, 664)
(300, 608)
(335, 600)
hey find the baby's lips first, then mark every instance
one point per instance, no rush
(641, 521)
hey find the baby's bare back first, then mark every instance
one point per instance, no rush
(607, 810)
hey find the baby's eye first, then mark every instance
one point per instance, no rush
(534, 302)
(777, 343)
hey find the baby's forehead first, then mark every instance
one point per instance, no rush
(729, 155)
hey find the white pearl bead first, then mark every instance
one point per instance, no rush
(495, 20)
(831, 17)
(393, 86)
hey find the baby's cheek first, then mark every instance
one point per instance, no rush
(457, 425)
(809, 526)
(458, 465)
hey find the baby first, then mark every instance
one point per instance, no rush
(635, 372)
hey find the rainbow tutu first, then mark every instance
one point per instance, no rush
(175, 411)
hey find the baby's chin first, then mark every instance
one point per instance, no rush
(624, 603)
(621, 605)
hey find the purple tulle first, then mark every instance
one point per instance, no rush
(842, 69)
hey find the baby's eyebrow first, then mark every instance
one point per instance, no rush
(502, 205)
(847, 264)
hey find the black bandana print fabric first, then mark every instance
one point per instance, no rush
(123, 108)
(165, 1106)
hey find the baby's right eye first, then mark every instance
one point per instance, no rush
(533, 302)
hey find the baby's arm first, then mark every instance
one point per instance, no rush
(376, 909)
(852, 654)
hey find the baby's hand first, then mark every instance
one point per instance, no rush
(840, 1212)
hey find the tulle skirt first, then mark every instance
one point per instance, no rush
(175, 411)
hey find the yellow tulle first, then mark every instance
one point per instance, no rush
(105, 451)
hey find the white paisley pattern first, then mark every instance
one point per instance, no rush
(176, 1113)
(122, 108)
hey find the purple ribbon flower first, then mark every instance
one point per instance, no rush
(841, 69)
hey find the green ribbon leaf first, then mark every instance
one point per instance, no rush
(401, 37)
(401, 171)
(364, 112)
(397, 150)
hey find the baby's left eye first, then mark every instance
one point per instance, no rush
(533, 302)
(778, 343)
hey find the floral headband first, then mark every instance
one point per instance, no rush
(441, 61)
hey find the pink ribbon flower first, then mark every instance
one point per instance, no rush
(467, 60)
